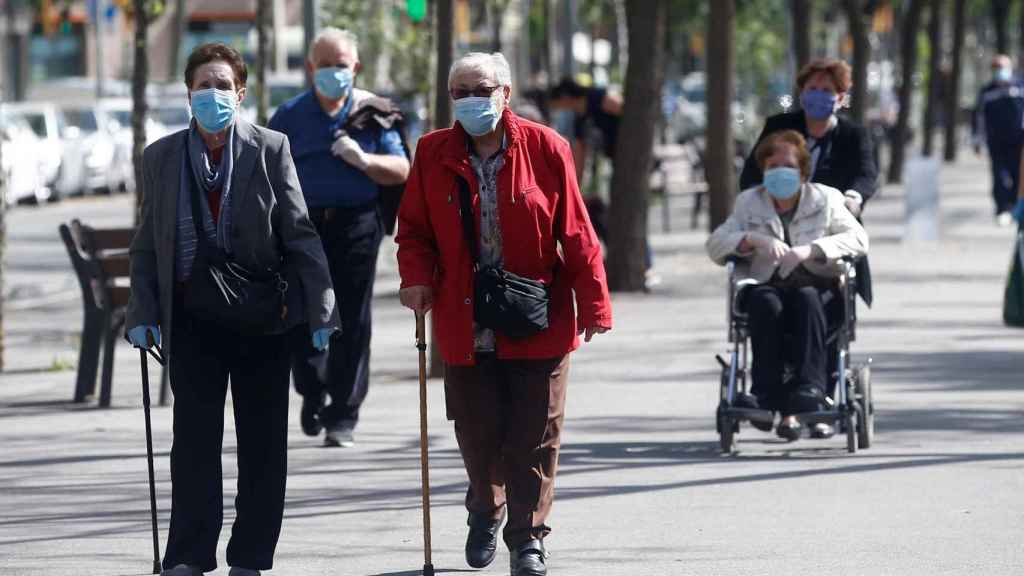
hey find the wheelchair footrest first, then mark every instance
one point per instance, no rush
(819, 417)
(751, 414)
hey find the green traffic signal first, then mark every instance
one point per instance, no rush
(417, 9)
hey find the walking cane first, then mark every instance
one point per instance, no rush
(158, 356)
(421, 345)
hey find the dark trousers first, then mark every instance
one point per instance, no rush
(1005, 174)
(508, 421)
(789, 325)
(203, 359)
(351, 241)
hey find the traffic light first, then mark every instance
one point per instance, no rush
(417, 9)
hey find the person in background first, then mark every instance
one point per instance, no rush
(506, 396)
(840, 149)
(251, 211)
(575, 109)
(999, 124)
(342, 165)
(792, 234)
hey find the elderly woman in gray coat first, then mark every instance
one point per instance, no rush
(223, 197)
(792, 234)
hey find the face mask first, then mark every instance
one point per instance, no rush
(478, 115)
(214, 109)
(782, 183)
(563, 122)
(818, 104)
(1004, 74)
(333, 82)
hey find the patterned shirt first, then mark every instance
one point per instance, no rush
(490, 230)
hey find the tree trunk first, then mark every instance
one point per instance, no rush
(953, 90)
(264, 12)
(1001, 23)
(177, 34)
(3, 250)
(140, 76)
(934, 76)
(908, 58)
(627, 226)
(855, 18)
(719, 152)
(445, 55)
(445, 34)
(800, 20)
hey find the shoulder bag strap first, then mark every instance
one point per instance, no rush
(468, 226)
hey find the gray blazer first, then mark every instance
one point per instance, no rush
(268, 212)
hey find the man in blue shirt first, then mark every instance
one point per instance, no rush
(342, 164)
(999, 123)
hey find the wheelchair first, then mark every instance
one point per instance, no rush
(849, 407)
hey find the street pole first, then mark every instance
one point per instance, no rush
(97, 26)
(310, 24)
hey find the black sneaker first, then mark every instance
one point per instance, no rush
(342, 434)
(309, 417)
(482, 541)
(528, 559)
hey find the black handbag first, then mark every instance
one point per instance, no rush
(514, 306)
(226, 293)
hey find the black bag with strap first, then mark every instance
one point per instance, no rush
(514, 306)
(226, 293)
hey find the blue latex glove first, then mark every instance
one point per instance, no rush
(321, 338)
(1018, 211)
(138, 336)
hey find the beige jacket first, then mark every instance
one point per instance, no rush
(821, 220)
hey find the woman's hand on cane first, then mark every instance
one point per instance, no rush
(417, 298)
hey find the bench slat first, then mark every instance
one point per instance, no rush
(118, 266)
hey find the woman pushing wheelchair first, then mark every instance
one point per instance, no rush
(790, 236)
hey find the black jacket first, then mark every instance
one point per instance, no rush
(847, 161)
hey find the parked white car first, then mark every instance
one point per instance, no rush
(96, 147)
(23, 172)
(119, 112)
(61, 171)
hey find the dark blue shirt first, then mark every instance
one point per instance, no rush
(327, 180)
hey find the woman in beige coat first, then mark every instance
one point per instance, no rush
(792, 234)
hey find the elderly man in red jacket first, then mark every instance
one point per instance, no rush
(505, 394)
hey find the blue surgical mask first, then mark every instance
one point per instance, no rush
(214, 109)
(818, 104)
(333, 82)
(563, 121)
(1004, 74)
(782, 182)
(477, 114)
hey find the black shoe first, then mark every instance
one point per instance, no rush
(752, 402)
(309, 417)
(341, 434)
(789, 431)
(821, 431)
(482, 541)
(528, 559)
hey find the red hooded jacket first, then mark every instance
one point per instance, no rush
(546, 236)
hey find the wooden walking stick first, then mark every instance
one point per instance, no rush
(421, 345)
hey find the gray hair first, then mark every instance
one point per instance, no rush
(337, 35)
(494, 66)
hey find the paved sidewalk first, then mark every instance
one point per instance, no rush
(642, 489)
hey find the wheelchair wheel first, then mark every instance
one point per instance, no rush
(851, 432)
(866, 408)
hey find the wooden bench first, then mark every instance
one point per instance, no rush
(679, 172)
(102, 265)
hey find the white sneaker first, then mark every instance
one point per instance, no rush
(1004, 219)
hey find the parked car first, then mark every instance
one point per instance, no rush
(61, 171)
(96, 146)
(22, 151)
(119, 111)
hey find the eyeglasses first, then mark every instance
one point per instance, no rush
(479, 92)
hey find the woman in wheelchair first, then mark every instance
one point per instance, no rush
(791, 235)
